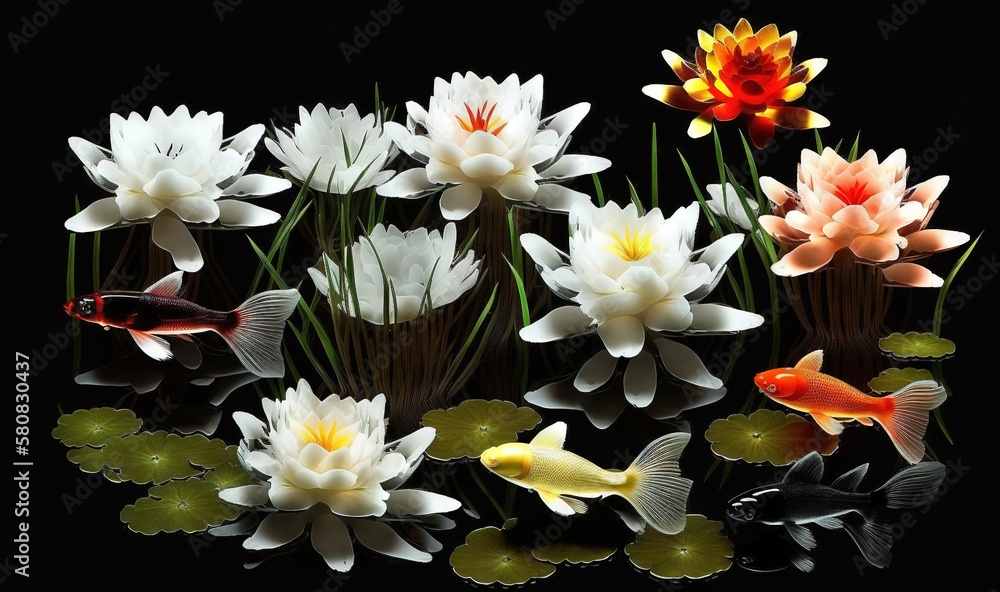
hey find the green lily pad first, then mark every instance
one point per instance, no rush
(560, 552)
(94, 427)
(893, 379)
(475, 425)
(90, 459)
(231, 473)
(190, 506)
(156, 457)
(698, 551)
(767, 435)
(488, 558)
(916, 345)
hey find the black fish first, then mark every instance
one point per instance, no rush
(800, 499)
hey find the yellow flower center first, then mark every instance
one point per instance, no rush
(326, 437)
(631, 247)
(480, 122)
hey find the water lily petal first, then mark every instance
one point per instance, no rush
(913, 275)
(718, 317)
(622, 336)
(137, 206)
(380, 537)
(171, 235)
(806, 257)
(875, 248)
(541, 251)
(331, 540)
(558, 198)
(595, 372)
(683, 363)
(240, 213)
(775, 191)
(168, 183)
(195, 209)
(247, 496)
(934, 240)
(97, 216)
(251, 427)
(459, 201)
(356, 503)
(672, 314)
(575, 165)
(928, 191)
(486, 165)
(411, 184)
(415, 502)
(560, 323)
(257, 185)
(640, 380)
(275, 530)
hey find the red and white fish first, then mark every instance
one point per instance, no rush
(830, 401)
(253, 331)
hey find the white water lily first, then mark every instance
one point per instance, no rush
(348, 151)
(478, 136)
(171, 170)
(630, 274)
(728, 205)
(408, 273)
(326, 463)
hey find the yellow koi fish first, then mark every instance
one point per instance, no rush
(652, 483)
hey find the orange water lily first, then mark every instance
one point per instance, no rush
(864, 206)
(742, 72)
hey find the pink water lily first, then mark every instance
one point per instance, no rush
(864, 206)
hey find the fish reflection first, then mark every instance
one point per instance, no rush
(800, 500)
(771, 552)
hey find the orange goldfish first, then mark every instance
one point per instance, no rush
(831, 402)
(652, 483)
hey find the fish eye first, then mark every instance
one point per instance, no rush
(86, 307)
(490, 461)
(771, 388)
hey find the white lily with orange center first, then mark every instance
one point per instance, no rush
(629, 275)
(326, 463)
(480, 136)
(173, 170)
(864, 206)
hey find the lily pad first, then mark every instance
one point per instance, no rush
(156, 457)
(916, 345)
(698, 551)
(90, 459)
(475, 425)
(230, 473)
(94, 427)
(560, 552)
(191, 506)
(767, 435)
(488, 558)
(893, 379)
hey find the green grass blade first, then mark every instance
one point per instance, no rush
(634, 196)
(761, 200)
(939, 306)
(599, 190)
(654, 192)
(853, 154)
(701, 198)
(96, 270)
(819, 142)
(525, 313)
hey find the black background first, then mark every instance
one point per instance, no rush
(903, 74)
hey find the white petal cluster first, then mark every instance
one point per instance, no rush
(478, 135)
(347, 151)
(404, 273)
(326, 463)
(629, 274)
(171, 170)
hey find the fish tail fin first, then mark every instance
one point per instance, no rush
(912, 487)
(654, 486)
(907, 421)
(256, 336)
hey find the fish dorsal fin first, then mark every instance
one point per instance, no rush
(811, 361)
(808, 469)
(551, 437)
(850, 480)
(168, 285)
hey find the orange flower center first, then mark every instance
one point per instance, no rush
(853, 193)
(481, 120)
(326, 437)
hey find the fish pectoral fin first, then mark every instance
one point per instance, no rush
(559, 504)
(830, 523)
(829, 424)
(151, 345)
(801, 535)
(865, 421)
(185, 337)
